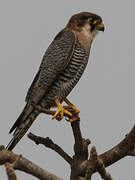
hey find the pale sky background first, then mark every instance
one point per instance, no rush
(105, 94)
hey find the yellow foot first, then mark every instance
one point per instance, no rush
(74, 118)
(71, 106)
(61, 111)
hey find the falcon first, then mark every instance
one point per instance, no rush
(61, 68)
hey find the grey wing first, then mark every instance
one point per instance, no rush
(54, 62)
(30, 91)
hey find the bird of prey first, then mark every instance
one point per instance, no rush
(61, 68)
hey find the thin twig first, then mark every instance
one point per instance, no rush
(50, 144)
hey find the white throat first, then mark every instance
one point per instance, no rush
(88, 34)
(85, 37)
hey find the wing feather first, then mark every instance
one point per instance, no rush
(54, 62)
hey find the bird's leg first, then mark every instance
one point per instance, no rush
(70, 105)
(61, 111)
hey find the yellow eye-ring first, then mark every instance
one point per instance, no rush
(90, 20)
(95, 22)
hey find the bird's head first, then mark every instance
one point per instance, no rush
(91, 21)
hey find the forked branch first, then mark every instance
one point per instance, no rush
(20, 163)
(82, 167)
(99, 165)
(10, 171)
(124, 148)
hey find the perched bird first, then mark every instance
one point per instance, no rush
(61, 68)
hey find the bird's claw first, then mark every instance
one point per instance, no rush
(75, 118)
(72, 107)
(60, 113)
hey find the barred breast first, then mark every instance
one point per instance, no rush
(67, 80)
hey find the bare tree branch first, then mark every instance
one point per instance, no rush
(99, 165)
(80, 143)
(10, 171)
(78, 146)
(88, 174)
(82, 168)
(121, 150)
(23, 164)
(124, 148)
(131, 153)
(81, 152)
(50, 144)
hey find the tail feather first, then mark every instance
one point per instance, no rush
(21, 126)
(26, 111)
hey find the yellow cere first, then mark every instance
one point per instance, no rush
(100, 25)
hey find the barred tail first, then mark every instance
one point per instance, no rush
(22, 125)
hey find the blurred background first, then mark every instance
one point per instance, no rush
(105, 94)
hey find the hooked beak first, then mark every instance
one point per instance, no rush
(101, 27)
